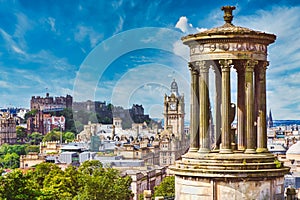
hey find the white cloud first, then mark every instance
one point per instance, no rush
(117, 4)
(4, 84)
(84, 32)
(11, 45)
(17, 49)
(120, 25)
(51, 22)
(178, 47)
(186, 27)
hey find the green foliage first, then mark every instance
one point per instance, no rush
(104, 120)
(41, 172)
(18, 149)
(32, 148)
(277, 163)
(141, 197)
(68, 136)
(48, 181)
(93, 117)
(69, 124)
(35, 138)
(166, 187)
(79, 126)
(15, 186)
(31, 113)
(10, 160)
(21, 133)
(10, 155)
(103, 183)
(53, 135)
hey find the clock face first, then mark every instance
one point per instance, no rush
(172, 106)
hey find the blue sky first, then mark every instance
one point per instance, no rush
(129, 51)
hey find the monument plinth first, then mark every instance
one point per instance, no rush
(239, 165)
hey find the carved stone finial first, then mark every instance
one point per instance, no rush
(228, 13)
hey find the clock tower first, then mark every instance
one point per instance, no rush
(174, 112)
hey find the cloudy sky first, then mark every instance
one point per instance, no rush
(129, 51)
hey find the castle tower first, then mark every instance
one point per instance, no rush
(245, 170)
(174, 111)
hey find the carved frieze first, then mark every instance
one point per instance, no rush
(228, 47)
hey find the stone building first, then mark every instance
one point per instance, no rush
(173, 140)
(42, 106)
(142, 150)
(8, 132)
(241, 167)
(97, 106)
(30, 160)
(49, 103)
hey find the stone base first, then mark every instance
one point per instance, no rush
(216, 176)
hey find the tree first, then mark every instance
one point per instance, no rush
(40, 173)
(10, 160)
(166, 188)
(53, 135)
(79, 126)
(21, 133)
(35, 138)
(10, 155)
(93, 117)
(68, 136)
(56, 186)
(48, 181)
(32, 148)
(18, 149)
(16, 185)
(69, 124)
(31, 113)
(102, 183)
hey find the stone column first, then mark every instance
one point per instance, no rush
(249, 104)
(203, 107)
(218, 85)
(261, 115)
(194, 115)
(226, 101)
(241, 106)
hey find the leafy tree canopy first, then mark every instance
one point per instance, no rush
(35, 138)
(166, 187)
(53, 135)
(68, 136)
(48, 181)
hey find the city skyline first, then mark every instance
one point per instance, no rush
(128, 52)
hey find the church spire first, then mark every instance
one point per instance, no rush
(270, 120)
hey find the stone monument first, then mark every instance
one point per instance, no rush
(241, 167)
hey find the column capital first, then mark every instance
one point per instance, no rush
(250, 64)
(225, 64)
(265, 64)
(193, 68)
(261, 70)
(202, 66)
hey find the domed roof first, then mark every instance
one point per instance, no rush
(174, 85)
(227, 29)
(294, 149)
(174, 88)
